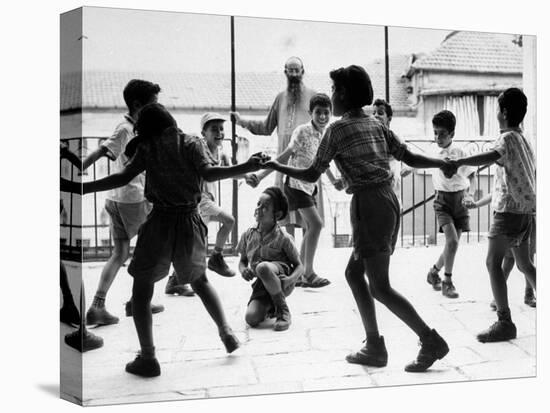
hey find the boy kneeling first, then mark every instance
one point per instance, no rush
(269, 253)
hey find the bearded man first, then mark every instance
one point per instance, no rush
(290, 109)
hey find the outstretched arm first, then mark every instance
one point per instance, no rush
(113, 181)
(215, 173)
(70, 156)
(305, 174)
(70, 186)
(282, 158)
(421, 161)
(260, 127)
(94, 156)
(481, 159)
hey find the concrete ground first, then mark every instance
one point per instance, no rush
(310, 355)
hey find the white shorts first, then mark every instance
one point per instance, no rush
(208, 209)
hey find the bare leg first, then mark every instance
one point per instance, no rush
(69, 314)
(314, 224)
(524, 263)
(355, 276)
(227, 222)
(142, 293)
(452, 238)
(507, 266)
(112, 266)
(211, 301)
(255, 312)
(377, 268)
(266, 272)
(495, 256)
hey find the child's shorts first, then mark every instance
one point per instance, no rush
(450, 210)
(375, 219)
(514, 227)
(126, 218)
(298, 199)
(170, 236)
(209, 208)
(260, 293)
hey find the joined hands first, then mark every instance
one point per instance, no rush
(449, 168)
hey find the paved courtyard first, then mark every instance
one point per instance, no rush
(310, 355)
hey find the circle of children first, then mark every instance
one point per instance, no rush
(180, 170)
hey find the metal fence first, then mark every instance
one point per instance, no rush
(85, 230)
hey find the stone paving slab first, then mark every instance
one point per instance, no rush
(310, 356)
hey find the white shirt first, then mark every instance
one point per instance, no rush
(115, 145)
(459, 181)
(304, 143)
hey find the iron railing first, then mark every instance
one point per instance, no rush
(85, 232)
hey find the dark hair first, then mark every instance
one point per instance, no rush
(153, 119)
(280, 203)
(387, 106)
(319, 99)
(515, 103)
(141, 90)
(357, 83)
(445, 119)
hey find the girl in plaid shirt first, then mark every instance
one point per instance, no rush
(361, 147)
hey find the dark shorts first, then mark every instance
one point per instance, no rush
(126, 218)
(516, 228)
(298, 199)
(260, 293)
(170, 236)
(450, 210)
(375, 218)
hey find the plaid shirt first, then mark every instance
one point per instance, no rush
(276, 245)
(361, 147)
(172, 162)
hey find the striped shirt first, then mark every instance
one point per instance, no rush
(361, 148)
(276, 245)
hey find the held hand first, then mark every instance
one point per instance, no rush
(449, 168)
(270, 165)
(252, 180)
(469, 203)
(248, 274)
(406, 171)
(258, 159)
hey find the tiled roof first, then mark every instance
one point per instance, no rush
(474, 52)
(103, 89)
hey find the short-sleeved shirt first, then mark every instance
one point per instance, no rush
(276, 245)
(172, 162)
(115, 145)
(515, 174)
(459, 181)
(361, 147)
(210, 189)
(304, 143)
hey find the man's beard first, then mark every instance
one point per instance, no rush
(294, 88)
